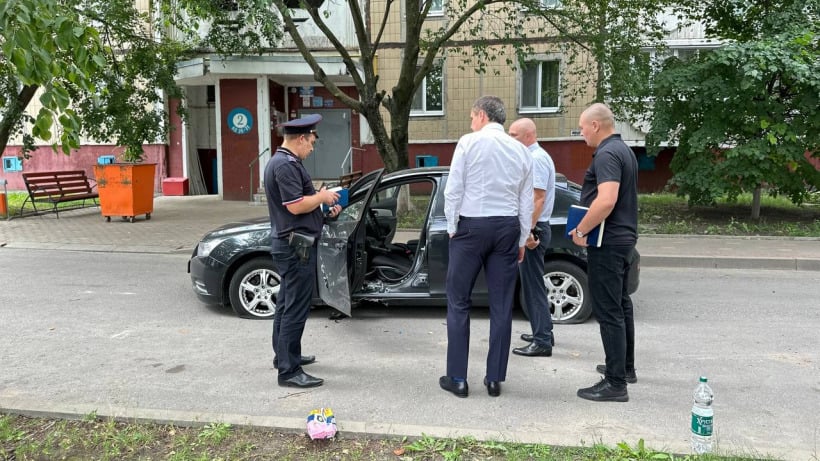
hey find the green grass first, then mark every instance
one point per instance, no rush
(16, 201)
(669, 214)
(93, 438)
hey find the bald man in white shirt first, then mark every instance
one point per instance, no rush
(534, 292)
(488, 202)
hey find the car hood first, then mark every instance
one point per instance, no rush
(261, 223)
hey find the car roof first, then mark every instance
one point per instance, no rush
(420, 171)
(560, 178)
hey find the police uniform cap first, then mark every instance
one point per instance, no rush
(302, 125)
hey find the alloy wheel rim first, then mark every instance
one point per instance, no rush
(564, 293)
(259, 291)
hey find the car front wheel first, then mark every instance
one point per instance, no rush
(254, 288)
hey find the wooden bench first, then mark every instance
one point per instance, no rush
(56, 187)
(346, 180)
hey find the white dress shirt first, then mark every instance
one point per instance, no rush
(490, 175)
(543, 177)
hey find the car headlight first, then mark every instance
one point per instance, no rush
(205, 247)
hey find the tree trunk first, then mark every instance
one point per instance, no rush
(403, 201)
(381, 138)
(400, 121)
(12, 117)
(756, 203)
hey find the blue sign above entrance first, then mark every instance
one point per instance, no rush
(240, 120)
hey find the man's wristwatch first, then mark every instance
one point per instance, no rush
(579, 233)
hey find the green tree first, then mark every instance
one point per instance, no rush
(105, 69)
(102, 72)
(618, 35)
(745, 116)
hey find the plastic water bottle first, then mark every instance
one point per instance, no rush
(702, 418)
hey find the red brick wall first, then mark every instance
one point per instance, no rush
(238, 150)
(45, 159)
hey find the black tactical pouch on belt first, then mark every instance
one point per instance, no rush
(301, 244)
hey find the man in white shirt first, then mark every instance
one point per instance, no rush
(488, 204)
(532, 269)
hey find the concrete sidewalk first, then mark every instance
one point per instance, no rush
(177, 223)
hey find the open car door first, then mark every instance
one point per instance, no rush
(342, 258)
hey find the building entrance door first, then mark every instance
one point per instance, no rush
(333, 144)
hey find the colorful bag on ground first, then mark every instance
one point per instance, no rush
(321, 424)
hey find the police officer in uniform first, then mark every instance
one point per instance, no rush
(296, 222)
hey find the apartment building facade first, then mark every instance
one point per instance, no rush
(235, 102)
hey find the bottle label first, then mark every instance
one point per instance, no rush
(702, 421)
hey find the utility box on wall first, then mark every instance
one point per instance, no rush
(105, 159)
(175, 186)
(426, 160)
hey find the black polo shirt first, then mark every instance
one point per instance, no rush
(613, 160)
(286, 182)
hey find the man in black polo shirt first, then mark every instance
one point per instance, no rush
(296, 223)
(610, 190)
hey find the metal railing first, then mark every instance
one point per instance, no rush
(349, 157)
(250, 167)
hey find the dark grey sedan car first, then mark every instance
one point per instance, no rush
(389, 245)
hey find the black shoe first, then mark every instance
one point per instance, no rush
(529, 339)
(631, 378)
(303, 360)
(533, 350)
(301, 380)
(604, 392)
(460, 389)
(336, 315)
(493, 387)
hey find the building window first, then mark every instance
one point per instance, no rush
(436, 7)
(228, 5)
(656, 59)
(541, 5)
(540, 86)
(429, 98)
(647, 65)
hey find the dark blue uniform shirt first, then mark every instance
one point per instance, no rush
(286, 182)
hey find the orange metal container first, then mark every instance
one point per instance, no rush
(126, 189)
(4, 209)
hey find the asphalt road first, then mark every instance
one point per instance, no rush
(123, 335)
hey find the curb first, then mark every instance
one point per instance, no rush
(669, 261)
(711, 262)
(347, 429)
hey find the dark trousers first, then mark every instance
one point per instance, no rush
(491, 243)
(608, 267)
(292, 305)
(534, 290)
